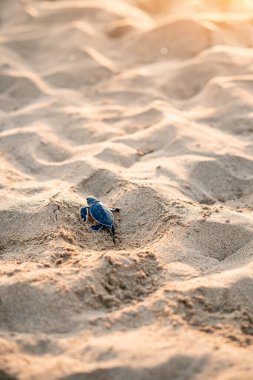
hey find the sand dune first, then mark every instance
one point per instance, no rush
(150, 111)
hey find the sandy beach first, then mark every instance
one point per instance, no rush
(148, 108)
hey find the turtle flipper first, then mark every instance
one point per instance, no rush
(112, 233)
(115, 209)
(97, 227)
(84, 212)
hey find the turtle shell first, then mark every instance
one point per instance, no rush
(101, 214)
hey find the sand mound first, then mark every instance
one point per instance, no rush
(177, 39)
(12, 92)
(227, 178)
(188, 80)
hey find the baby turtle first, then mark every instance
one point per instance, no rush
(101, 214)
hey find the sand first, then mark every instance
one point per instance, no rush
(148, 109)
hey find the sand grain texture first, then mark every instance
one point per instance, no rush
(150, 113)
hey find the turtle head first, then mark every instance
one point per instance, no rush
(91, 201)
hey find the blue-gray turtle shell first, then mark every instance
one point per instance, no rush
(102, 215)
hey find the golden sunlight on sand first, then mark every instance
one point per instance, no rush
(147, 106)
(196, 5)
